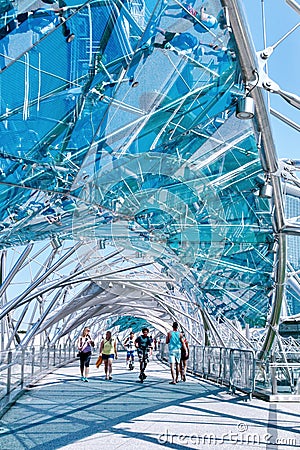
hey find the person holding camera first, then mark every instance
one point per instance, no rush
(85, 344)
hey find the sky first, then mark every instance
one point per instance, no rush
(283, 65)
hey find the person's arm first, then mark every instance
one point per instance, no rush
(168, 338)
(101, 346)
(137, 342)
(187, 349)
(91, 342)
(183, 343)
(83, 342)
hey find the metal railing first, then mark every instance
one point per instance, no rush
(278, 378)
(229, 366)
(235, 368)
(20, 368)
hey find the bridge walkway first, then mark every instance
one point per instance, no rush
(62, 412)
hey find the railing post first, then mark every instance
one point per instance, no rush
(298, 385)
(246, 368)
(48, 356)
(191, 358)
(209, 361)
(22, 367)
(224, 356)
(253, 374)
(273, 380)
(220, 363)
(32, 360)
(9, 360)
(162, 351)
(231, 364)
(41, 359)
(59, 359)
(194, 359)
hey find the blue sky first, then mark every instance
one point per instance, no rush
(283, 65)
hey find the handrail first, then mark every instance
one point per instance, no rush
(240, 370)
(229, 366)
(21, 367)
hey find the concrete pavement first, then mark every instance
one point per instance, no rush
(62, 412)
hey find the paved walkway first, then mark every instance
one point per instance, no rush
(62, 412)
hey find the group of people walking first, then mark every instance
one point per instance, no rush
(143, 344)
(108, 351)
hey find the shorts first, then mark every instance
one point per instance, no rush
(85, 358)
(184, 356)
(143, 354)
(174, 356)
(107, 357)
(130, 353)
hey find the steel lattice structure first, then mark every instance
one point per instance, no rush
(128, 186)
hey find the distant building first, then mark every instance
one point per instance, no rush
(290, 329)
(292, 210)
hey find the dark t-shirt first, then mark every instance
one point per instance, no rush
(144, 342)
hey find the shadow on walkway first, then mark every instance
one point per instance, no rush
(62, 412)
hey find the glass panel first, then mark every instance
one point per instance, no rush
(122, 116)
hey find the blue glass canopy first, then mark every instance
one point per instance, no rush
(118, 125)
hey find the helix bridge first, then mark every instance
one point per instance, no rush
(140, 182)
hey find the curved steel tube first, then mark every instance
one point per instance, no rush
(249, 65)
